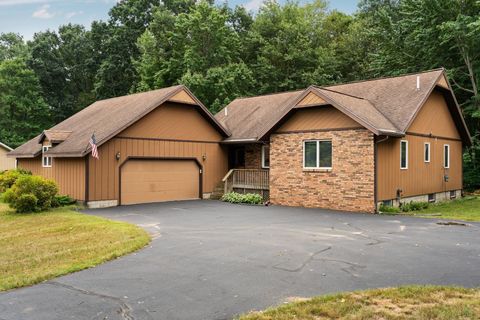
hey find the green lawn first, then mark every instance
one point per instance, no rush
(467, 209)
(40, 246)
(411, 302)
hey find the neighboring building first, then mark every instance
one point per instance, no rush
(347, 147)
(6, 163)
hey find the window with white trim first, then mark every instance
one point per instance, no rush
(46, 160)
(426, 152)
(446, 156)
(265, 156)
(317, 154)
(403, 154)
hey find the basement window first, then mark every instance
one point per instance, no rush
(265, 156)
(46, 160)
(446, 156)
(453, 194)
(317, 154)
(431, 197)
(404, 154)
(426, 152)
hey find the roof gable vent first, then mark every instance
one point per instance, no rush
(418, 82)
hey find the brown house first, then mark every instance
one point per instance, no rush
(347, 147)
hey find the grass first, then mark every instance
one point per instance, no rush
(40, 246)
(410, 302)
(467, 209)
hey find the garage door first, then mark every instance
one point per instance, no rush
(146, 181)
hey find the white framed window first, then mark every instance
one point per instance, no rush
(317, 154)
(46, 160)
(265, 156)
(426, 152)
(446, 156)
(403, 154)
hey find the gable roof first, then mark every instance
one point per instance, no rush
(107, 118)
(385, 106)
(5, 147)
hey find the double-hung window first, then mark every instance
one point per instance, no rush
(446, 156)
(426, 152)
(265, 156)
(317, 154)
(403, 154)
(46, 160)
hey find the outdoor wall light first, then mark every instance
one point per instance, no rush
(204, 157)
(117, 156)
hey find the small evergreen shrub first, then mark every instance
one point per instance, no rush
(21, 196)
(388, 209)
(63, 200)
(8, 178)
(250, 198)
(413, 206)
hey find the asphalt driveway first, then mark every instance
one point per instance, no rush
(211, 260)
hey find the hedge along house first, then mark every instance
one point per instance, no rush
(154, 146)
(350, 146)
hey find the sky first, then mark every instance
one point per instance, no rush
(29, 16)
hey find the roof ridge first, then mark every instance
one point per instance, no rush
(385, 77)
(343, 93)
(270, 94)
(136, 93)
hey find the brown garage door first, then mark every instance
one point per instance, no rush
(146, 181)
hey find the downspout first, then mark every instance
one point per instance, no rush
(375, 178)
(87, 176)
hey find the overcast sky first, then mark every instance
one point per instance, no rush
(29, 16)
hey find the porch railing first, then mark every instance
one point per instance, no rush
(247, 180)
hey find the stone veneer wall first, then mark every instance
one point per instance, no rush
(348, 186)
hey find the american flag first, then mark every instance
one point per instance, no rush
(93, 144)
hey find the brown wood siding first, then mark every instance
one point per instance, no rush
(420, 178)
(170, 131)
(6, 163)
(310, 99)
(173, 121)
(435, 118)
(317, 118)
(182, 96)
(145, 181)
(69, 173)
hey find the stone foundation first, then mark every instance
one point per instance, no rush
(102, 204)
(439, 197)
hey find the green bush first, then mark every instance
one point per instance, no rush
(389, 209)
(26, 202)
(413, 206)
(19, 196)
(63, 200)
(250, 198)
(8, 178)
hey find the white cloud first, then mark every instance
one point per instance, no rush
(43, 12)
(253, 5)
(73, 14)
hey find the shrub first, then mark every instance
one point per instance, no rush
(389, 209)
(26, 202)
(63, 200)
(8, 178)
(42, 189)
(413, 206)
(250, 198)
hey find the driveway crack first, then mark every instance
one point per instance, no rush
(125, 309)
(307, 261)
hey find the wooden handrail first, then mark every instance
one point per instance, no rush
(229, 173)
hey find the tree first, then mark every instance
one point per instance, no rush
(23, 112)
(12, 46)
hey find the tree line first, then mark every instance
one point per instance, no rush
(222, 53)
